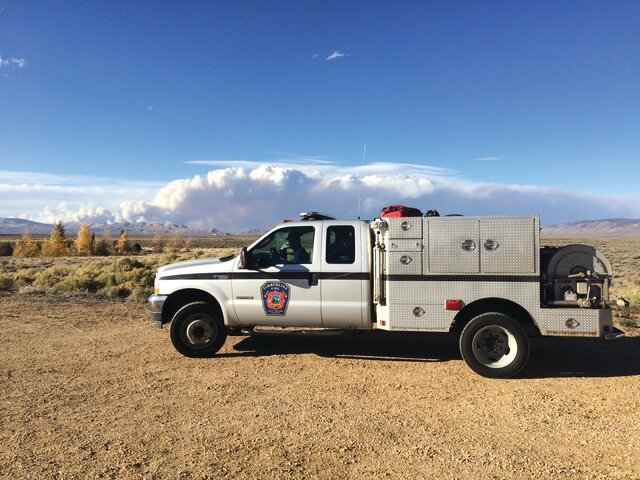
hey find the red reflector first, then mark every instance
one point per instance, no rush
(453, 305)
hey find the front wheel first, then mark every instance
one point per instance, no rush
(494, 345)
(196, 331)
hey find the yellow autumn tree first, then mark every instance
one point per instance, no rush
(123, 243)
(56, 245)
(84, 242)
(26, 246)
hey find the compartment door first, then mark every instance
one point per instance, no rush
(508, 245)
(454, 245)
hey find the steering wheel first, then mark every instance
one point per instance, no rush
(276, 255)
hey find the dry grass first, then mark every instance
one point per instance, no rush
(112, 277)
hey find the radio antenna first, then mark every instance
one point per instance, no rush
(364, 154)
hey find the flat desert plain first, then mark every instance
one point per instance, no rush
(91, 389)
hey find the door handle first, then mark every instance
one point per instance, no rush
(313, 279)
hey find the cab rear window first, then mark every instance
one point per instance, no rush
(341, 244)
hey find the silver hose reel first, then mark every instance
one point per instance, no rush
(578, 275)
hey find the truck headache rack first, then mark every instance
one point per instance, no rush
(307, 216)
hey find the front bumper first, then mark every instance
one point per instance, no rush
(154, 307)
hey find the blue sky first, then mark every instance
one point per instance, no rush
(109, 102)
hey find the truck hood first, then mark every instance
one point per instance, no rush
(199, 265)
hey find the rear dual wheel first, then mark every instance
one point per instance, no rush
(196, 331)
(494, 345)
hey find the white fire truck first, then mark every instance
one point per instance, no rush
(484, 278)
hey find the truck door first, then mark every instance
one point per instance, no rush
(281, 285)
(342, 278)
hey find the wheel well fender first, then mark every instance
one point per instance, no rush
(500, 305)
(176, 300)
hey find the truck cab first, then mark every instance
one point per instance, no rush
(311, 273)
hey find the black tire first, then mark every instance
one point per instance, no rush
(196, 330)
(494, 345)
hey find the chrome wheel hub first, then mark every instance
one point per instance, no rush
(494, 346)
(200, 331)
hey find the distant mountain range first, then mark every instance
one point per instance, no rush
(622, 227)
(15, 226)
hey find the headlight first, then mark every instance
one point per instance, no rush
(156, 285)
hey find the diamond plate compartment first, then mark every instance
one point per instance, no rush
(419, 317)
(509, 245)
(404, 263)
(405, 227)
(454, 244)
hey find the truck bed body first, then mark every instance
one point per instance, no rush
(420, 263)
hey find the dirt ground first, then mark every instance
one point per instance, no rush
(92, 389)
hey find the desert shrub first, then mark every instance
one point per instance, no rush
(24, 277)
(141, 293)
(47, 279)
(107, 279)
(6, 282)
(6, 249)
(127, 264)
(77, 283)
(136, 248)
(116, 291)
(167, 258)
(629, 322)
(633, 295)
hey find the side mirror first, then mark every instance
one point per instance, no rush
(244, 258)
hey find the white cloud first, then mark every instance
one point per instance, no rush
(41, 196)
(238, 195)
(19, 62)
(335, 55)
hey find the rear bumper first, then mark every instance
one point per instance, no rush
(614, 334)
(154, 308)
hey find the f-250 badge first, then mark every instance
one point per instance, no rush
(275, 298)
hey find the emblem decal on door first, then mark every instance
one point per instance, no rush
(275, 298)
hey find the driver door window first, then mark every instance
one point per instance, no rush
(293, 245)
